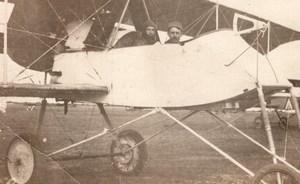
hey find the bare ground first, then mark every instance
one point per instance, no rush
(176, 156)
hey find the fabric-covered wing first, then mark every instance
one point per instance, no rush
(89, 93)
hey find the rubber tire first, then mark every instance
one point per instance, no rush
(142, 152)
(275, 168)
(283, 125)
(258, 122)
(34, 146)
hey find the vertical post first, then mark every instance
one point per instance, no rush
(5, 45)
(269, 34)
(266, 121)
(295, 104)
(45, 77)
(38, 128)
(217, 16)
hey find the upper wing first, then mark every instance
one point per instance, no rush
(89, 93)
(281, 12)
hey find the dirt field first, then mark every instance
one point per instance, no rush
(175, 156)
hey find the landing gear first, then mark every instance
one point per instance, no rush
(22, 159)
(127, 159)
(276, 173)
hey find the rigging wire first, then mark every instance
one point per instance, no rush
(38, 59)
(34, 33)
(252, 44)
(64, 130)
(159, 10)
(38, 39)
(225, 18)
(86, 132)
(266, 56)
(99, 20)
(197, 20)
(51, 37)
(26, 24)
(177, 10)
(62, 22)
(293, 34)
(204, 24)
(276, 36)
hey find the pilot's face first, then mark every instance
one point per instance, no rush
(150, 31)
(174, 34)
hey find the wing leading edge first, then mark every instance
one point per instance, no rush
(89, 93)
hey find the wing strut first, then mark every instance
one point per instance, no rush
(295, 105)
(114, 32)
(146, 9)
(8, 7)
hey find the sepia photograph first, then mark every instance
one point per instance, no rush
(149, 92)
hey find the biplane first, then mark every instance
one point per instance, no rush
(200, 74)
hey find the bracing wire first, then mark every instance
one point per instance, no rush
(225, 18)
(268, 61)
(178, 6)
(244, 50)
(197, 20)
(25, 21)
(64, 130)
(51, 37)
(38, 59)
(204, 24)
(100, 22)
(62, 22)
(33, 35)
(293, 34)
(276, 36)
(157, 7)
(86, 132)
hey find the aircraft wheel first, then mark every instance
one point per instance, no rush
(269, 173)
(133, 161)
(258, 122)
(22, 159)
(283, 122)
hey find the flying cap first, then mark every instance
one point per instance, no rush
(175, 24)
(149, 23)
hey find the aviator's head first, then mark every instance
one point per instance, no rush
(150, 28)
(175, 31)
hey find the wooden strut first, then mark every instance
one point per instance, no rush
(131, 148)
(266, 121)
(295, 104)
(105, 116)
(104, 132)
(207, 142)
(253, 141)
(38, 127)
